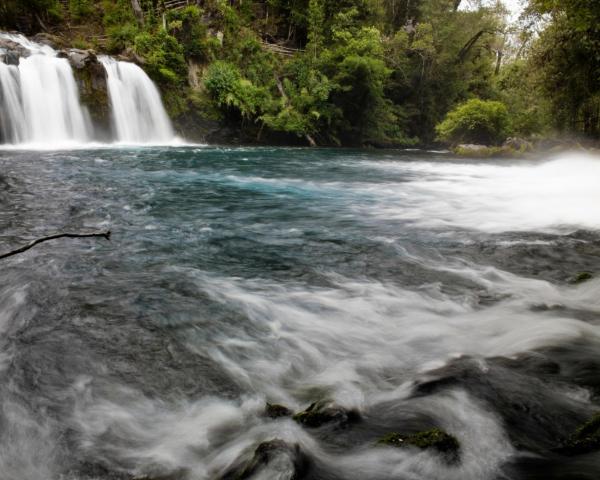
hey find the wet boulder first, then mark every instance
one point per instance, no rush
(535, 413)
(81, 58)
(271, 459)
(585, 439)
(582, 277)
(435, 439)
(11, 52)
(274, 410)
(324, 412)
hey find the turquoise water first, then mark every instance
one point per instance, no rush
(419, 289)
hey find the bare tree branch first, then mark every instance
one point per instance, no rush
(105, 234)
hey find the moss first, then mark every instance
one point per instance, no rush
(586, 438)
(435, 438)
(582, 277)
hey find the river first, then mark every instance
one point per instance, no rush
(414, 288)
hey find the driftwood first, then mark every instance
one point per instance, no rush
(33, 243)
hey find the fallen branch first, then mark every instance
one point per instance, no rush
(33, 243)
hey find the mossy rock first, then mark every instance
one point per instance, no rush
(585, 439)
(274, 410)
(582, 277)
(435, 439)
(323, 412)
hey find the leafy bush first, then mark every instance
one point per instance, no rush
(186, 25)
(225, 84)
(120, 37)
(475, 121)
(165, 62)
(80, 9)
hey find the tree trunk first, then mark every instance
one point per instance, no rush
(499, 55)
(138, 12)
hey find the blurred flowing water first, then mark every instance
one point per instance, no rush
(419, 289)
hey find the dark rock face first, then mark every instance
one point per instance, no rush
(11, 52)
(323, 412)
(284, 460)
(435, 439)
(91, 79)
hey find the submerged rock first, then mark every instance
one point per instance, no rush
(582, 277)
(522, 392)
(284, 461)
(585, 439)
(435, 439)
(274, 410)
(325, 411)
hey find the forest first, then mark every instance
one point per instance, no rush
(350, 72)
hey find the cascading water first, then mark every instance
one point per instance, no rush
(40, 99)
(137, 109)
(40, 105)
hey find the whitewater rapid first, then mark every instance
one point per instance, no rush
(419, 289)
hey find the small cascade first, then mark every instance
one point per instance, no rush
(39, 99)
(138, 113)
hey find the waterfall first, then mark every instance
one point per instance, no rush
(137, 109)
(40, 105)
(39, 99)
(12, 117)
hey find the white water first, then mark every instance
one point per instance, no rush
(560, 195)
(40, 99)
(137, 109)
(40, 106)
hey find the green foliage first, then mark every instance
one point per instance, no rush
(80, 9)
(567, 59)
(529, 111)
(164, 58)
(365, 72)
(306, 109)
(187, 27)
(475, 121)
(225, 84)
(120, 37)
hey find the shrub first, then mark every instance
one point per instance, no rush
(80, 9)
(120, 37)
(475, 121)
(186, 25)
(225, 84)
(164, 57)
